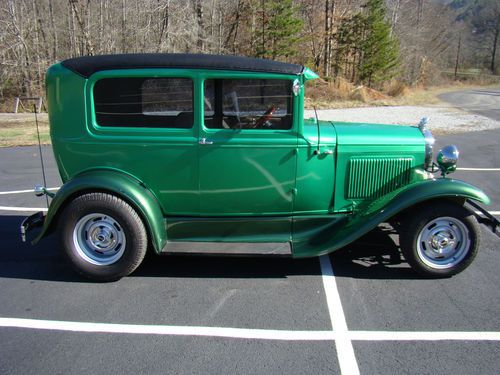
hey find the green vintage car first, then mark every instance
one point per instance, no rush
(182, 153)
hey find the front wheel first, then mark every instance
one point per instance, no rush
(440, 240)
(102, 236)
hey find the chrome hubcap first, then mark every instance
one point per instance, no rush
(443, 242)
(99, 239)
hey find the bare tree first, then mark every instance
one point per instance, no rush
(81, 10)
(201, 25)
(36, 33)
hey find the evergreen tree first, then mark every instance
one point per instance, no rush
(349, 38)
(278, 34)
(380, 52)
(365, 50)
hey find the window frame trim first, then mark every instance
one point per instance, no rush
(251, 130)
(245, 75)
(97, 130)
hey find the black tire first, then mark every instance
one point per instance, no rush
(443, 225)
(102, 236)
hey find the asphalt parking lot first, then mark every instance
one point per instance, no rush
(198, 315)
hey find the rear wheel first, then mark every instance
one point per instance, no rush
(103, 237)
(440, 240)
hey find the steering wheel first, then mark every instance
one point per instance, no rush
(265, 117)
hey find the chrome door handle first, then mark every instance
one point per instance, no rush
(204, 141)
(328, 152)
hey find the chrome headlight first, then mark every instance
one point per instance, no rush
(429, 141)
(447, 159)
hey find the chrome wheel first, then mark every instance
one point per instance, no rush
(99, 239)
(443, 242)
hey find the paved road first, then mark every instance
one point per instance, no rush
(377, 290)
(485, 102)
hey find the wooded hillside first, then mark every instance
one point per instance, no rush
(361, 41)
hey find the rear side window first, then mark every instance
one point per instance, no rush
(248, 104)
(144, 102)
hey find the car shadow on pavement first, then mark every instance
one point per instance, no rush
(21, 260)
(374, 256)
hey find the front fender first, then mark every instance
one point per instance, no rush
(367, 216)
(424, 191)
(120, 184)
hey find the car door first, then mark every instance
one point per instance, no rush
(143, 123)
(247, 147)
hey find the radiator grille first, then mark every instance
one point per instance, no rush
(375, 177)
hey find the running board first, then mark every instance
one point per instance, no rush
(227, 248)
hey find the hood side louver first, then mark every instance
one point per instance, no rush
(376, 177)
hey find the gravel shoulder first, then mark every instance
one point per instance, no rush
(442, 119)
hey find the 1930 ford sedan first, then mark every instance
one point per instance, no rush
(211, 154)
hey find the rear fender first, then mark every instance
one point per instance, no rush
(367, 216)
(117, 183)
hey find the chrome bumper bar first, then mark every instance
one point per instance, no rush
(484, 217)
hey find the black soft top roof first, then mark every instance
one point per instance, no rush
(88, 65)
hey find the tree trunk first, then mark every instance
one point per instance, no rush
(164, 25)
(101, 25)
(233, 31)
(494, 50)
(54, 32)
(199, 19)
(420, 10)
(237, 21)
(263, 42)
(212, 21)
(327, 42)
(124, 27)
(72, 33)
(83, 23)
(458, 56)
(17, 26)
(220, 30)
(395, 15)
(39, 39)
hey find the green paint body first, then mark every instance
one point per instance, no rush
(249, 185)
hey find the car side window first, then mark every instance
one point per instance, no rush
(248, 104)
(144, 102)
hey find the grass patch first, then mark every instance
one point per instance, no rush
(20, 129)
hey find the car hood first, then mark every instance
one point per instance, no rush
(377, 134)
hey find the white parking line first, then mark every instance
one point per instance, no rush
(22, 209)
(479, 169)
(423, 336)
(343, 344)
(23, 191)
(242, 333)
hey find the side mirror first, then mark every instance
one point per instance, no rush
(447, 159)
